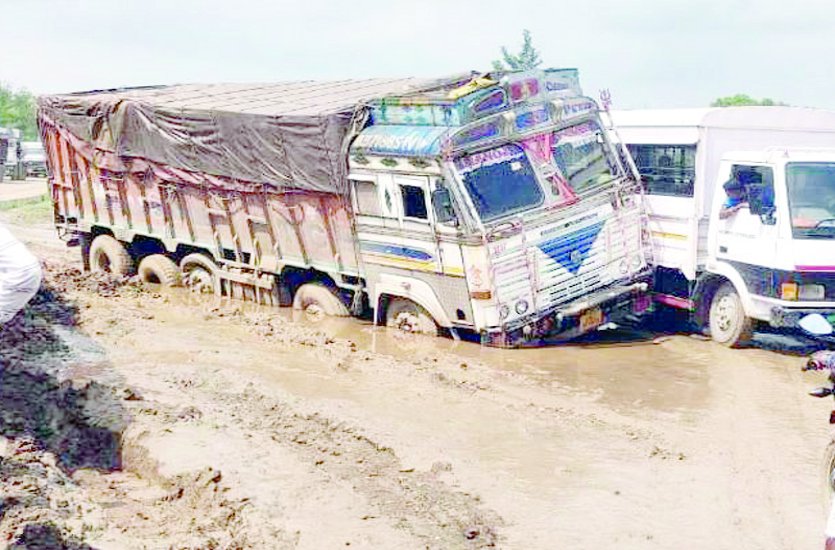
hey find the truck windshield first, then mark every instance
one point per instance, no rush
(500, 181)
(811, 189)
(579, 152)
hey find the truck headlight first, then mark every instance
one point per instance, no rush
(504, 311)
(521, 306)
(812, 292)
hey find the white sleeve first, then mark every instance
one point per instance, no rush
(20, 275)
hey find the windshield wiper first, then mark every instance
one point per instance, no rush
(828, 231)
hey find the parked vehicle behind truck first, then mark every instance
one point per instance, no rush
(771, 261)
(494, 204)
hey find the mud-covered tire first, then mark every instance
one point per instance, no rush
(316, 298)
(728, 323)
(110, 256)
(199, 274)
(160, 270)
(405, 315)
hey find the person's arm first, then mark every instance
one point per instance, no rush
(728, 211)
(20, 275)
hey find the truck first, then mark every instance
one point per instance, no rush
(767, 263)
(486, 204)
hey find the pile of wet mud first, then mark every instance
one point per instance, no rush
(31, 336)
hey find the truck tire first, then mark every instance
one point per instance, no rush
(110, 256)
(159, 270)
(319, 299)
(729, 325)
(405, 315)
(200, 274)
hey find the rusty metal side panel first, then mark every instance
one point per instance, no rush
(241, 222)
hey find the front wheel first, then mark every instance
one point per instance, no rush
(728, 323)
(407, 316)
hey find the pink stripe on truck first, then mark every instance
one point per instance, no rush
(819, 268)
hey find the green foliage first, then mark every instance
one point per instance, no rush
(528, 57)
(18, 110)
(743, 99)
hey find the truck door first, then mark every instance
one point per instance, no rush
(743, 237)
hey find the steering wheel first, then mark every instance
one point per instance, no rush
(826, 222)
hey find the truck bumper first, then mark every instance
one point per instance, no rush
(612, 304)
(788, 319)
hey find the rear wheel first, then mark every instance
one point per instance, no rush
(159, 270)
(728, 323)
(200, 274)
(407, 316)
(110, 256)
(318, 299)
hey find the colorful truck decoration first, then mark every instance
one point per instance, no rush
(492, 204)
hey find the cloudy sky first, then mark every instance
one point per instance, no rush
(649, 53)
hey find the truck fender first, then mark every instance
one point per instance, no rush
(415, 290)
(730, 273)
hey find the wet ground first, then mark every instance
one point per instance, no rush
(140, 419)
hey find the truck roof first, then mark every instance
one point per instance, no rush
(682, 125)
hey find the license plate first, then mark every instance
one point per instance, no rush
(591, 319)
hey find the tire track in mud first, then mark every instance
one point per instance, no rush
(420, 502)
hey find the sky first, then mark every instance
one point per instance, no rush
(648, 53)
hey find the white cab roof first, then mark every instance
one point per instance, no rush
(682, 126)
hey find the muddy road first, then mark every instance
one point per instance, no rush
(133, 418)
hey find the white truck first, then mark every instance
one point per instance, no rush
(770, 261)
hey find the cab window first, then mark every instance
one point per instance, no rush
(666, 169)
(414, 202)
(368, 199)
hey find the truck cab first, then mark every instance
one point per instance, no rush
(729, 269)
(499, 207)
(777, 251)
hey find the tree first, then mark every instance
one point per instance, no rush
(743, 99)
(18, 110)
(528, 57)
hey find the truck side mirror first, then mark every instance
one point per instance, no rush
(761, 202)
(442, 204)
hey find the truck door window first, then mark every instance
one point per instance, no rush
(414, 202)
(666, 169)
(368, 199)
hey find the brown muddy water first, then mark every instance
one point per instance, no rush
(334, 433)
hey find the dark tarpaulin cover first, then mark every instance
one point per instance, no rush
(291, 135)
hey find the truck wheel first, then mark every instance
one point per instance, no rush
(110, 256)
(407, 316)
(159, 270)
(318, 299)
(200, 274)
(728, 323)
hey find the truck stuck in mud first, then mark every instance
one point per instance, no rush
(493, 204)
